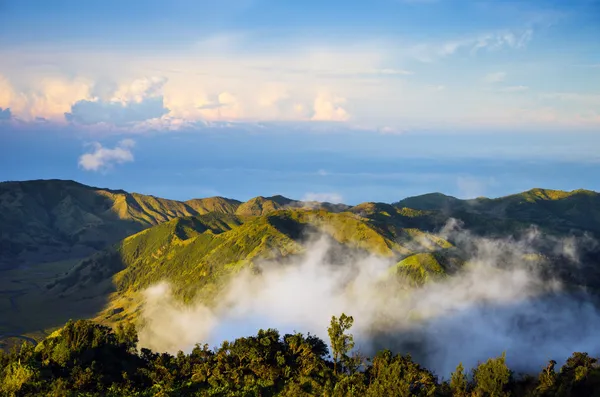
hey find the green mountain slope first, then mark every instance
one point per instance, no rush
(50, 220)
(213, 204)
(198, 254)
(195, 251)
(553, 210)
(54, 220)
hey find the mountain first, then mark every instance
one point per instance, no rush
(89, 252)
(559, 211)
(54, 220)
(198, 254)
(263, 205)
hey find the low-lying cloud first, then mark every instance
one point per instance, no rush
(102, 158)
(334, 198)
(504, 298)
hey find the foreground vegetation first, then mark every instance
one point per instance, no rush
(88, 359)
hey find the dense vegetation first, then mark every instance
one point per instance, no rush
(89, 359)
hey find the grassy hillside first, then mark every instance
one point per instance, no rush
(553, 210)
(50, 220)
(53, 220)
(197, 254)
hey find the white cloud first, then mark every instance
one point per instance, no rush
(6, 93)
(101, 158)
(49, 96)
(136, 102)
(393, 72)
(327, 108)
(495, 77)
(140, 89)
(334, 198)
(362, 82)
(493, 41)
(515, 88)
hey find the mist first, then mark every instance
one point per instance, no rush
(498, 301)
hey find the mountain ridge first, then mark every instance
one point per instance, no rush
(98, 248)
(53, 219)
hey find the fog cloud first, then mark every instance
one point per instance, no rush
(503, 299)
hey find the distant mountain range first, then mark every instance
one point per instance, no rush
(105, 246)
(50, 220)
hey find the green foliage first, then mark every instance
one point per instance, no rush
(88, 359)
(492, 377)
(341, 342)
(459, 384)
(399, 376)
(16, 375)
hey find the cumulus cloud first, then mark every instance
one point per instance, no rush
(133, 103)
(6, 92)
(117, 113)
(49, 96)
(500, 300)
(327, 108)
(273, 83)
(102, 158)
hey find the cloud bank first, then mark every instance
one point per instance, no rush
(370, 81)
(102, 158)
(140, 101)
(500, 301)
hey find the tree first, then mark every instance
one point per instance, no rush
(127, 336)
(492, 377)
(547, 380)
(341, 343)
(399, 375)
(459, 382)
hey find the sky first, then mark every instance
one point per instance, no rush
(338, 100)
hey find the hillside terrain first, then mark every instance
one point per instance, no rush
(55, 220)
(74, 251)
(553, 210)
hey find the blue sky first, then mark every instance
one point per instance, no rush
(351, 100)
